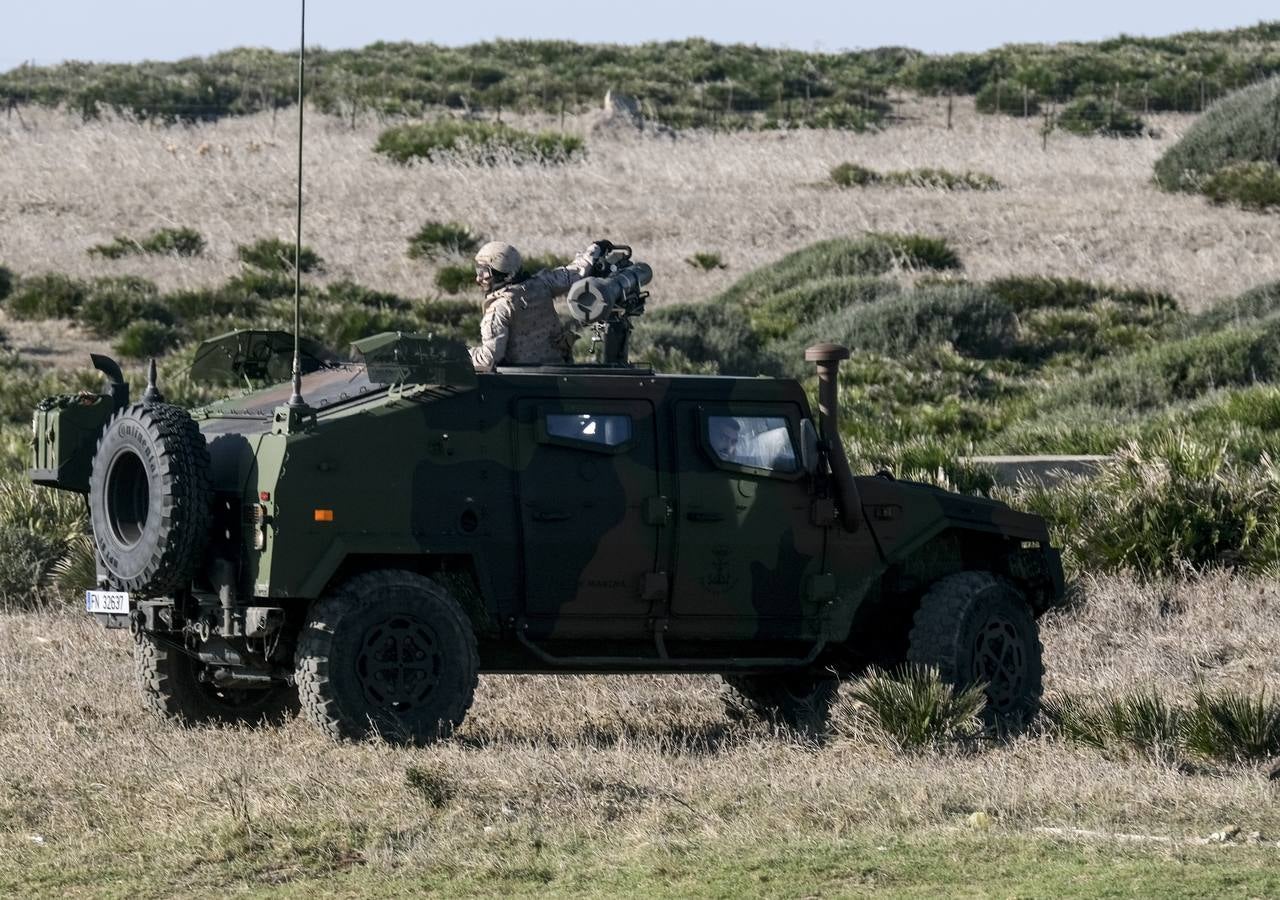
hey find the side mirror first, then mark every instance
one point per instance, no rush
(808, 446)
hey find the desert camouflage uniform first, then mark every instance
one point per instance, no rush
(521, 327)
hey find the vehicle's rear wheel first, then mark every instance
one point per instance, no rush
(389, 653)
(799, 701)
(977, 628)
(171, 685)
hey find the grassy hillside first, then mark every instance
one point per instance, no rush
(692, 83)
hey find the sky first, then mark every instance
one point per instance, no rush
(49, 31)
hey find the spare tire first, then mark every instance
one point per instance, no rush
(150, 499)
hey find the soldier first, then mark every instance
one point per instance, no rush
(520, 324)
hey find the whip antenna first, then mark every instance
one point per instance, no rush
(296, 398)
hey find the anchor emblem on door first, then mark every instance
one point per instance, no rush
(719, 578)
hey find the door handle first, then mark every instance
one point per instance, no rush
(699, 516)
(553, 515)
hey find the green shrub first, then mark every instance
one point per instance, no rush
(6, 282)
(973, 320)
(263, 285)
(706, 335)
(348, 292)
(459, 319)
(1259, 304)
(705, 261)
(275, 255)
(113, 303)
(1006, 98)
(1225, 726)
(777, 315)
(1234, 727)
(432, 783)
(1253, 185)
(1176, 370)
(435, 239)
(218, 303)
(161, 242)
(49, 296)
(851, 175)
(872, 254)
(1168, 503)
(913, 708)
(1092, 115)
(453, 279)
(55, 517)
(146, 339)
(854, 175)
(25, 558)
(1038, 292)
(486, 143)
(76, 570)
(1243, 127)
(538, 262)
(338, 328)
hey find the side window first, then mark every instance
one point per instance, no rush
(593, 430)
(756, 442)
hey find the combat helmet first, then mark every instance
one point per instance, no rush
(499, 257)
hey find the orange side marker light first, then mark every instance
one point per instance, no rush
(324, 515)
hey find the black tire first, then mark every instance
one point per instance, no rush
(798, 701)
(150, 499)
(389, 653)
(170, 683)
(975, 627)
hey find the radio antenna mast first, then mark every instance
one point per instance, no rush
(295, 399)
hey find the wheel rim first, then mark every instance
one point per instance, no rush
(128, 498)
(399, 664)
(1000, 660)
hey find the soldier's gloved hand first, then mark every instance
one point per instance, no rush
(599, 248)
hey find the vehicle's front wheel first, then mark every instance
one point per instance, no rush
(389, 653)
(171, 685)
(799, 701)
(977, 628)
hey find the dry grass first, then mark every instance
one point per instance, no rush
(1085, 208)
(619, 765)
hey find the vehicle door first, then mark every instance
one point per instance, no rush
(591, 515)
(746, 543)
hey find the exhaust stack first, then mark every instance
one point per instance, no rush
(828, 357)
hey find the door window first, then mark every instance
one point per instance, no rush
(753, 442)
(590, 430)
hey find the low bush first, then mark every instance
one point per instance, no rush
(1257, 305)
(25, 559)
(161, 242)
(1095, 116)
(252, 283)
(455, 279)
(871, 254)
(113, 303)
(275, 255)
(707, 335)
(349, 293)
(1223, 726)
(144, 339)
(459, 319)
(1243, 127)
(6, 282)
(49, 296)
(912, 708)
(707, 262)
(851, 175)
(435, 239)
(1253, 185)
(1162, 506)
(1039, 292)
(340, 326)
(223, 304)
(486, 143)
(539, 261)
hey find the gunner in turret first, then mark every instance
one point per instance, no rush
(520, 326)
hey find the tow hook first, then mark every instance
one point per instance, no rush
(136, 622)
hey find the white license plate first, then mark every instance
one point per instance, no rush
(114, 602)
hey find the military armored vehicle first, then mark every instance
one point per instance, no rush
(368, 553)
